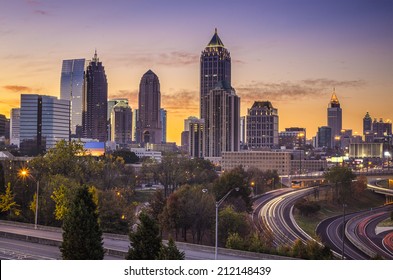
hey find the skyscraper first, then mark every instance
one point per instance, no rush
(15, 126)
(71, 89)
(222, 122)
(111, 104)
(149, 126)
(163, 116)
(262, 125)
(324, 137)
(95, 95)
(196, 144)
(121, 123)
(215, 67)
(3, 121)
(44, 120)
(334, 114)
(368, 128)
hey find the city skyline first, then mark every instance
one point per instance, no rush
(292, 53)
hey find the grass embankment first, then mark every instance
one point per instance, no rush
(142, 196)
(368, 200)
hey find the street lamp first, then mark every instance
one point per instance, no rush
(24, 173)
(218, 203)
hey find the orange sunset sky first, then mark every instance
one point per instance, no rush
(290, 52)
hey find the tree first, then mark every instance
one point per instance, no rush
(230, 221)
(7, 202)
(2, 179)
(128, 156)
(341, 180)
(235, 241)
(307, 207)
(82, 235)
(157, 204)
(170, 251)
(145, 242)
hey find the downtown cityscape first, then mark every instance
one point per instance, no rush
(160, 132)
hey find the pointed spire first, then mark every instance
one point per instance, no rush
(215, 41)
(334, 99)
(95, 58)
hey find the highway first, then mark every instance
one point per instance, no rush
(23, 241)
(275, 212)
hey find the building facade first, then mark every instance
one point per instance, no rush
(163, 116)
(95, 97)
(196, 143)
(3, 121)
(263, 160)
(292, 137)
(121, 123)
(215, 65)
(324, 137)
(367, 128)
(71, 89)
(15, 127)
(334, 118)
(366, 150)
(111, 104)
(149, 126)
(44, 120)
(222, 120)
(262, 125)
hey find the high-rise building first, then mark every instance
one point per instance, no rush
(111, 104)
(243, 129)
(262, 125)
(3, 121)
(15, 126)
(381, 128)
(215, 67)
(121, 123)
(196, 143)
(71, 89)
(163, 116)
(324, 137)
(334, 114)
(44, 120)
(185, 135)
(222, 122)
(135, 119)
(368, 128)
(94, 114)
(149, 126)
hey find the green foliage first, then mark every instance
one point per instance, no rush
(233, 179)
(7, 202)
(170, 251)
(145, 242)
(62, 194)
(262, 181)
(307, 207)
(82, 235)
(2, 179)
(341, 180)
(235, 241)
(128, 156)
(310, 250)
(157, 204)
(230, 221)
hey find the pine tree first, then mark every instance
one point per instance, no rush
(145, 241)
(170, 252)
(82, 235)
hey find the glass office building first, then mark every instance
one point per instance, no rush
(44, 120)
(71, 88)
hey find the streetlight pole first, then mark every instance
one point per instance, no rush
(218, 203)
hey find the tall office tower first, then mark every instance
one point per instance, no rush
(149, 127)
(185, 135)
(15, 126)
(196, 143)
(135, 119)
(262, 125)
(121, 123)
(215, 67)
(222, 120)
(3, 121)
(111, 104)
(7, 128)
(163, 116)
(324, 137)
(44, 120)
(334, 114)
(188, 121)
(71, 89)
(94, 114)
(368, 128)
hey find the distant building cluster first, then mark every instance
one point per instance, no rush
(219, 133)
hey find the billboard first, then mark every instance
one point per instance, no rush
(95, 149)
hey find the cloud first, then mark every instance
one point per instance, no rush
(286, 91)
(41, 12)
(131, 95)
(172, 58)
(17, 88)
